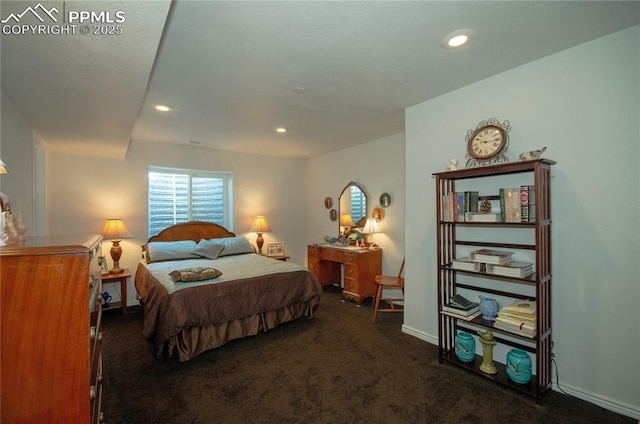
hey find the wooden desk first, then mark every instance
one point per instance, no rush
(360, 268)
(122, 277)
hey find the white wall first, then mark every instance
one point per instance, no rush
(378, 167)
(16, 142)
(85, 191)
(583, 104)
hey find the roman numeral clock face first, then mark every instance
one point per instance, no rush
(486, 142)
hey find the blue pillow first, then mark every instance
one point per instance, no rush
(235, 245)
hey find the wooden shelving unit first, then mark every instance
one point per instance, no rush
(535, 287)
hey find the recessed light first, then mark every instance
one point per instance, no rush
(457, 38)
(163, 107)
(281, 130)
(298, 90)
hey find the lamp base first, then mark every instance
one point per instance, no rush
(260, 243)
(116, 252)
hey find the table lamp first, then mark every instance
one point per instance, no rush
(370, 228)
(115, 231)
(260, 225)
(3, 168)
(347, 222)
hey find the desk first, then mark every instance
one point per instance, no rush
(122, 278)
(360, 268)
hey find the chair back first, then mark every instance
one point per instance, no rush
(400, 277)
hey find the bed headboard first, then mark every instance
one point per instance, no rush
(193, 230)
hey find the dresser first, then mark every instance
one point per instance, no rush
(359, 268)
(51, 330)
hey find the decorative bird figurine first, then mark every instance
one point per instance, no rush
(532, 154)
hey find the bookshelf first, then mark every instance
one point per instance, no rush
(454, 237)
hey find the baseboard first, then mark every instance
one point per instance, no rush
(420, 335)
(632, 411)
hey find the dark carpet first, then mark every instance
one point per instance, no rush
(336, 368)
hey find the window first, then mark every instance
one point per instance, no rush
(358, 204)
(181, 195)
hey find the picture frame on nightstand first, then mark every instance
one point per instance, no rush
(103, 263)
(275, 249)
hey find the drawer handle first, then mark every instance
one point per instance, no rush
(100, 378)
(101, 417)
(92, 332)
(100, 336)
(93, 392)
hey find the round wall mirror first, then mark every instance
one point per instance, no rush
(353, 202)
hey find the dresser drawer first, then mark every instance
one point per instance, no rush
(338, 256)
(351, 285)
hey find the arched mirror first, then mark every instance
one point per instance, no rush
(352, 202)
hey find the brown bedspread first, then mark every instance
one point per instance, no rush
(166, 315)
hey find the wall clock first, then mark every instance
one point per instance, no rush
(488, 143)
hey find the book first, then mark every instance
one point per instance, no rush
(461, 301)
(459, 206)
(512, 269)
(449, 207)
(527, 203)
(464, 312)
(470, 203)
(462, 317)
(514, 329)
(465, 264)
(482, 217)
(511, 204)
(522, 307)
(490, 256)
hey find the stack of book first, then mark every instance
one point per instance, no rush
(512, 269)
(489, 256)
(462, 308)
(465, 264)
(518, 318)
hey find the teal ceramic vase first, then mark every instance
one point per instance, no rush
(465, 347)
(519, 366)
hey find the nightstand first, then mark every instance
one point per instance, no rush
(122, 277)
(280, 258)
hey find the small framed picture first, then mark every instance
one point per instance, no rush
(328, 202)
(102, 261)
(275, 249)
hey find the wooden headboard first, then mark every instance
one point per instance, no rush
(195, 230)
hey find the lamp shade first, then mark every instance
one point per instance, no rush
(114, 229)
(346, 220)
(260, 225)
(3, 168)
(371, 227)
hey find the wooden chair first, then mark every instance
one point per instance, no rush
(389, 282)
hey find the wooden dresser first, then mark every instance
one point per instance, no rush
(360, 268)
(51, 331)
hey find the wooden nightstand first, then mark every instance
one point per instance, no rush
(280, 258)
(122, 277)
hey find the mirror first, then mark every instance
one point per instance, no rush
(353, 201)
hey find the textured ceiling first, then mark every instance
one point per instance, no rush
(230, 68)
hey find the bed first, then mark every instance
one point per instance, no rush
(201, 286)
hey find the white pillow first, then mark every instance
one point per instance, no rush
(209, 249)
(158, 251)
(235, 245)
